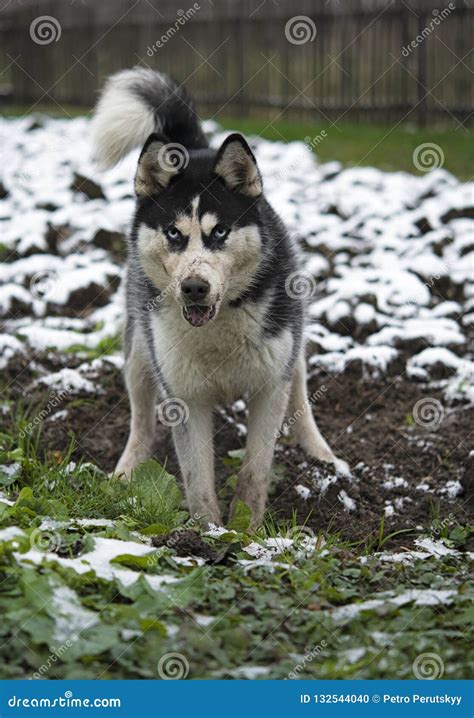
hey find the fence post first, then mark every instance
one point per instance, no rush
(422, 74)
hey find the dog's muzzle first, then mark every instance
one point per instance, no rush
(194, 291)
(199, 314)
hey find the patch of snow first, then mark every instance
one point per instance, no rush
(216, 531)
(70, 616)
(99, 561)
(435, 548)
(303, 491)
(353, 655)
(204, 621)
(395, 483)
(9, 348)
(10, 532)
(69, 381)
(421, 597)
(348, 503)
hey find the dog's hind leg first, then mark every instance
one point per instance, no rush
(142, 395)
(303, 424)
(194, 446)
(266, 412)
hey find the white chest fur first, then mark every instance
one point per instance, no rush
(222, 360)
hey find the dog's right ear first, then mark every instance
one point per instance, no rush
(236, 165)
(157, 164)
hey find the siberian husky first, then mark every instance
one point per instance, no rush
(210, 313)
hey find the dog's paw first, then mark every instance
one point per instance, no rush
(342, 468)
(123, 471)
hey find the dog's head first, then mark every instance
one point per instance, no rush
(198, 232)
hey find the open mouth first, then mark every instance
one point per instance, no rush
(198, 314)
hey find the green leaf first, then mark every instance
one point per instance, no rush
(154, 530)
(141, 563)
(153, 624)
(236, 454)
(157, 498)
(241, 518)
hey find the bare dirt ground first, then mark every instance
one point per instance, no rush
(425, 474)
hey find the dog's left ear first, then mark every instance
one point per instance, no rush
(237, 166)
(157, 165)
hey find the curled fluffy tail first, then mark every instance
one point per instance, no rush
(135, 103)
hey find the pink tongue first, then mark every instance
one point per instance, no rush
(198, 315)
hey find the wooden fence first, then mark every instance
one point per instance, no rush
(365, 59)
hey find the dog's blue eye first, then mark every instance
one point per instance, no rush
(173, 233)
(220, 232)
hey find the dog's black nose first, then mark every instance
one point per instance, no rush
(194, 289)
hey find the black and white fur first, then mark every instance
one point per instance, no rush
(205, 227)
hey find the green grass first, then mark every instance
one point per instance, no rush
(282, 620)
(387, 147)
(368, 145)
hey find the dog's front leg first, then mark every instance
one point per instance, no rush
(266, 412)
(142, 395)
(194, 446)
